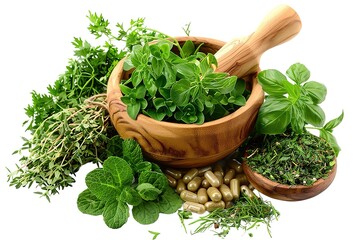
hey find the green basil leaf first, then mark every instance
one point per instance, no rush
(88, 203)
(316, 91)
(120, 170)
(157, 179)
(187, 49)
(130, 196)
(116, 213)
(146, 212)
(298, 73)
(148, 192)
(314, 115)
(180, 92)
(329, 126)
(102, 184)
(331, 140)
(272, 82)
(274, 116)
(297, 120)
(132, 152)
(169, 201)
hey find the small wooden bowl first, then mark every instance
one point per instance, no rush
(287, 192)
(185, 145)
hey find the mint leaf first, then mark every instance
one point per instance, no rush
(116, 213)
(143, 167)
(130, 196)
(120, 170)
(132, 152)
(158, 180)
(298, 73)
(114, 146)
(101, 184)
(148, 192)
(88, 203)
(146, 212)
(170, 201)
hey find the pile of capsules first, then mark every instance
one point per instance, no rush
(208, 188)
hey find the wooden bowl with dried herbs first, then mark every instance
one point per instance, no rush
(283, 159)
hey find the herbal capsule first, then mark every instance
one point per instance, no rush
(214, 194)
(246, 191)
(219, 176)
(190, 175)
(172, 181)
(251, 187)
(236, 165)
(174, 173)
(186, 195)
(226, 193)
(203, 170)
(219, 168)
(242, 179)
(213, 180)
(230, 174)
(211, 206)
(205, 183)
(235, 188)
(194, 184)
(202, 195)
(180, 186)
(194, 207)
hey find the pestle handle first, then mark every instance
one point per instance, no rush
(241, 57)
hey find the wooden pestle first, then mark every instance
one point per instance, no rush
(241, 56)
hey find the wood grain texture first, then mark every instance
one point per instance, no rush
(185, 145)
(241, 57)
(287, 192)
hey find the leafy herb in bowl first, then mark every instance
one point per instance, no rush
(284, 160)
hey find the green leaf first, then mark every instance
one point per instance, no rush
(133, 109)
(272, 82)
(297, 120)
(274, 116)
(116, 213)
(188, 69)
(130, 196)
(314, 115)
(157, 179)
(101, 184)
(148, 192)
(120, 170)
(331, 140)
(140, 91)
(88, 203)
(143, 167)
(316, 91)
(150, 86)
(114, 146)
(329, 126)
(170, 75)
(187, 49)
(157, 67)
(132, 152)
(146, 212)
(180, 92)
(169, 201)
(298, 73)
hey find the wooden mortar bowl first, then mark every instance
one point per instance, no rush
(287, 192)
(185, 145)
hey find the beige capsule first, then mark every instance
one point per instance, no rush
(230, 174)
(194, 184)
(205, 183)
(247, 192)
(211, 205)
(203, 170)
(219, 168)
(180, 186)
(187, 195)
(212, 178)
(242, 179)
(172, 181)
(202, 195)
(219, 176)
(173, 173)
(226, 193)
(189, 175)
(214, 194)
(235, 188)
(236, 165)
(251, 187)
(194, 207)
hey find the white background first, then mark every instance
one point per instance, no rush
(35, 44)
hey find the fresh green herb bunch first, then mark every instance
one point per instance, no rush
(127, 179)
(178, 87)
(294, 104)
(67, 130)
(291, 158)
(246, 213)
